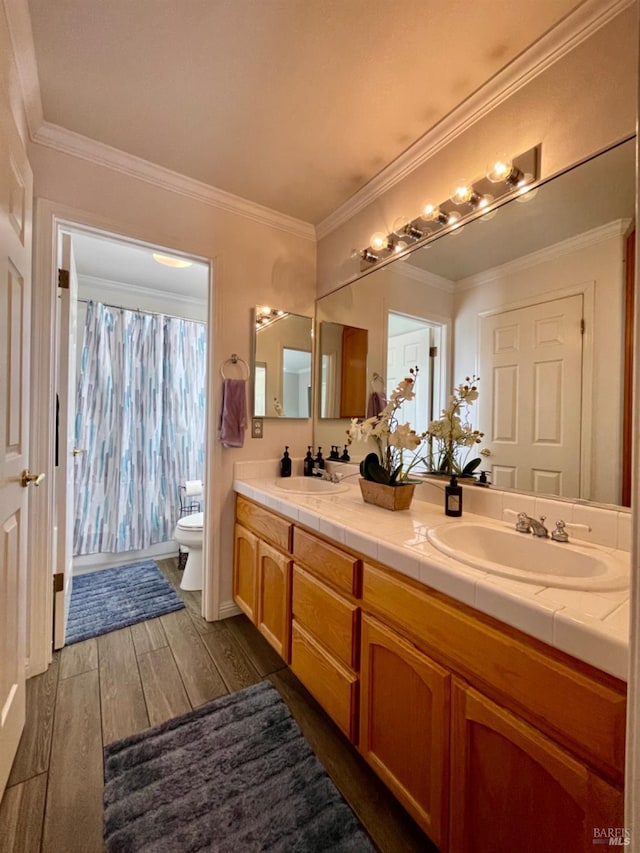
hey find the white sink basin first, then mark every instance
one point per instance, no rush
(523, 557)
(308, 486)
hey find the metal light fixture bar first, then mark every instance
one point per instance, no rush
(451, 216)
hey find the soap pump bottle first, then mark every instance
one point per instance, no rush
(453, 498)
(320, 460)
(308, 464)
(285, 463)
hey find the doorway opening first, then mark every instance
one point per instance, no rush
(132, 402)
(416, 342)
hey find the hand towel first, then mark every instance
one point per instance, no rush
(233, 417)
(376, 404)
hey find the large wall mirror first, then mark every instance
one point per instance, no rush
(281, 364)
(534, 298)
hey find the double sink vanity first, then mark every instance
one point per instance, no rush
(479, 671)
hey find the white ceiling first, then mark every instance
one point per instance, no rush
(293, 104)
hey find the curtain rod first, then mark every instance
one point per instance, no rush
(141, 311)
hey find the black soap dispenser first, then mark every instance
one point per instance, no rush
(319, 460)
(285, 463)
(308, 464)
(453, 498)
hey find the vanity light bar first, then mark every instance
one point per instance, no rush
(505, 179)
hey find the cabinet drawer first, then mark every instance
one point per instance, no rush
(332, 684)
(337, 568)
(267, 525)
(543, 686)
(331, 619)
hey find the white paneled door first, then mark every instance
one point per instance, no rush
(67, 451)
(530, 403)
(15, 283)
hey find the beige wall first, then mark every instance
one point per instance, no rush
(254, 264)
(580, 105)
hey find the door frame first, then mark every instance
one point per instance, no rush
(50, 219)
(587, 290)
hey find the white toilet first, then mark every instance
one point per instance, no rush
(188, 534)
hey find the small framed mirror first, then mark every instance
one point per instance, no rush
(343, 371)
(282, 367)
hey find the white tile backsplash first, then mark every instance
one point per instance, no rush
(603, 524)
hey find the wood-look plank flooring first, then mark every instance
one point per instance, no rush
(120, 683)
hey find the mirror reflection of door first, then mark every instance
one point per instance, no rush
(531, 372)
(415, 342)
(296, 383)
(353, 393)
(343, 370)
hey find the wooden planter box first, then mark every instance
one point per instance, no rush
(388, 497)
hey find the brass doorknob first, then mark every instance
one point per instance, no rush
(27, 477)
(77, 451)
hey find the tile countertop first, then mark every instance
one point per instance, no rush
(591, 626)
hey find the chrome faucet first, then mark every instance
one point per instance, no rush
(526, 524)
(323, 474)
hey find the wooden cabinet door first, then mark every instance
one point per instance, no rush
(404, 724)
(514, 789)
(274, 598)
(245, 560)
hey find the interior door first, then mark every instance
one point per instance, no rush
(531, 369)
(15, 295)
(67, 451)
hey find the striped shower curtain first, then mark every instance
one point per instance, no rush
(140, 418)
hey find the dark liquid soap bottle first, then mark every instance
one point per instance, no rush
(453, 498)
(285, 463)
(308, 464)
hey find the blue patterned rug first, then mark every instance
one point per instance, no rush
(233, 776)
(114, 598)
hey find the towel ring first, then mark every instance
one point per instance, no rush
(235, 358)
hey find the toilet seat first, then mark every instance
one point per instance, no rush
(189, 533)
(191, 522)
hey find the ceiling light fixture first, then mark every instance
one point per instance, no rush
(505, 177)
(175, 263)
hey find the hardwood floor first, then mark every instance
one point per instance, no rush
(115, 685)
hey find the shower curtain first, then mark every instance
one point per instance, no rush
(140, 418)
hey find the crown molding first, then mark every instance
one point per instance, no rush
(579, 25)
(138, 289)
(617, 228)
(408, 270)
(24, 55)
(68, 142)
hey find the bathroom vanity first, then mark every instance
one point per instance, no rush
(491, 738)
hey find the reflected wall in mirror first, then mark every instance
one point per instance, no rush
(343, 371)
(281, 364)
(531, 298)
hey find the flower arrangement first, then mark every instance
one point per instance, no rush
(392, 438)
(451, 437)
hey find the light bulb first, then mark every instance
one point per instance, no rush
(461, 192)
(400, 246)
(453, 217)
(500, 168)
(399, 225)
(432, 213)
(483, 202)
(526, 194)
(379, 241)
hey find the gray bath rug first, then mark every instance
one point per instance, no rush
(114, 598)
(233, 776)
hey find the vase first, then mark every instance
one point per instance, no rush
(388, 497)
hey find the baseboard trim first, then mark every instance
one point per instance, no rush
(228, 609)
